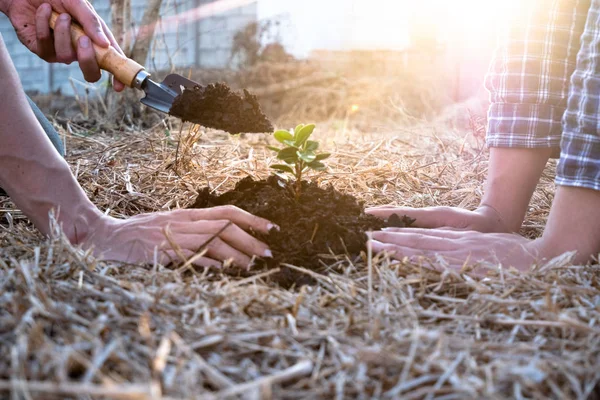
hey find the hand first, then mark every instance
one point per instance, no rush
(459, 248)
(221, 231)
(484, 219)
(30, 18)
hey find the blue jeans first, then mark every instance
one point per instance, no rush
(48, 128)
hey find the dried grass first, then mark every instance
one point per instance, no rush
(72, 327)
(372, 88)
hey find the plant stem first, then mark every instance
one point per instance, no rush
(298, 183)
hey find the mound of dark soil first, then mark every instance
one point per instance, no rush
(217, 106)
(321, 223)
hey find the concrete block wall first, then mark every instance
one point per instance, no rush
(178, 43)
(216, 35)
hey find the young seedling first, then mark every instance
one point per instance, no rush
(299, 155)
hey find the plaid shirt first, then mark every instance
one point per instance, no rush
(544, 84)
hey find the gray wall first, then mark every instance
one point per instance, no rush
(178, 43)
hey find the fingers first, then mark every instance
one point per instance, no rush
(216, 249)
(89, 20)
(193, 236)
(111, 37)
(396, 251)
(45, 43)
(219, 229)
(416, 241)
(445, 232)
(230, 233)
(87, 60)
(117, 85)
(453, 259)
(239, 217)
(430, 217)
(59, 48)
(62, 40)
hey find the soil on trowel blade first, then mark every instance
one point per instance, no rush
(217, 106)
(321, 223)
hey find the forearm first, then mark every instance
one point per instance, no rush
(528, 84)
(513, 174)
(31, 171)
(573, 224)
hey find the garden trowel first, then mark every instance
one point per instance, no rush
(161, 96)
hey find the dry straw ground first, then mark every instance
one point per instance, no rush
(73, 327)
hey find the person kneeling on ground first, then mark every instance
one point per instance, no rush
(536, 111)
(39, 180)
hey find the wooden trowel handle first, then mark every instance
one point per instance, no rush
(109, 59)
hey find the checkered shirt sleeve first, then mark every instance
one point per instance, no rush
(579, 163)
(528, 79)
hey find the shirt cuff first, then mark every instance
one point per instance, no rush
(579, 163)
(525, 126)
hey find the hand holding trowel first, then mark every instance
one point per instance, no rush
(214, 106)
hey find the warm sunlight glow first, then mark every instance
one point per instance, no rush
(382, 23)
(354, 108)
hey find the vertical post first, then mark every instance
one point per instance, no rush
(197, 34)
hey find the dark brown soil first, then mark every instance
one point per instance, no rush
(322, 224)
(217, 106)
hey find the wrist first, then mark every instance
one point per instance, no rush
(79, 226)
(494, 218)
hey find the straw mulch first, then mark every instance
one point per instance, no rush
(385, 86)
(72, 327)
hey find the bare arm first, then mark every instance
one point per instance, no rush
(31, 171)
(513, 175)
(574, 224)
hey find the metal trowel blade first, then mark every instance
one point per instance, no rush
(160, 96)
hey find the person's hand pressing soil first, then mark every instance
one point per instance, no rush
(180, 235)
(484, 219)
(41, 184)
(459, 248)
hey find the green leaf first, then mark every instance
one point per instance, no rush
(289, 155)
(311, 145)
(290, 142)
(316, 165)
(298, 129)
(273, 148)
(282, 168)
(323, 156)
(282, 136)
(307, 156)
(304, 134)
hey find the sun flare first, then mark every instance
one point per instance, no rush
(379, 23)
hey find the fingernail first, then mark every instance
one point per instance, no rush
(65, 17)
(84, 42)
(268, 253)
(273, 226)
(103, 37)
